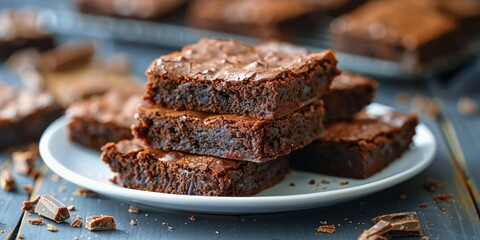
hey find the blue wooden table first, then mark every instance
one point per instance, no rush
(457, 163)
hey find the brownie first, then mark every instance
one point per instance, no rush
(268, 81)
(24, 115)
(226, 135)
(140, 9)
(466, 12)
(349, 93)
(360, 148)
(20, 30)
(380, 29)
(104, 118)
(150, 169)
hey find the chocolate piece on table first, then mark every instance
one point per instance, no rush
(226, 135)
(103, 118)
(403, 224)
(66, 56)
(149, 169)
(77, 223)
(51, 208)
(358, 148)
(377, 231)
(100, 223)
(24, 115)
(7, 182)
(141, 9)
(379, 29)
(268, 81)
(27, 205)
(348, 94)
(20, 29)
(24, 161)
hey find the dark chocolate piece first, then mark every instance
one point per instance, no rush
(403, 224)
(228, 136)
(105, 118)
(377, 231)
(268, 81)
(100, 223)
(358, 148)
(51, 208)
(348, 94)
(149, 169)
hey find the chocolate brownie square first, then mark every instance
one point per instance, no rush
(268, 81)
(20, 29)
(24, 115)
(227, 135)
(360, 148)
(349, 93)
(150, 169)
(381, 29)
(103, 118)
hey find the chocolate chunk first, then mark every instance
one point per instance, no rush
(24, 161)
(133, 222)
(377, 231)
(100, 223)
(51, 208)
(66, 56)
(403, 224)
(27, 188)
(77, 223)
(132, 209)
(192, 218)
(51, 228)
(36, 221)
(7, 182)
(442, 197)
(326, 229)
(71, 208)
(27, 205)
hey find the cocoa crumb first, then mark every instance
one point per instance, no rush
(433, 185)
(192, 218)
(27, 188)
(326, 229)
(292, 184)
(61, 188)
(311, 182)
(21, 236)
(77, 223)
(132, 209)
(83, 192)
(33, 173)
(133, 222)
(403, 196)
(7, 182)
(325, 181)
(55, 178)
(51, 228)
(425, 238)
(114, 179)
(433, 108)
(344, 183)
(467, 106)
(71, 208)
(24, 161)
(36, 221)
(422, 205)
(442, 197)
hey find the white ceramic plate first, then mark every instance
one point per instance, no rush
(84, 168)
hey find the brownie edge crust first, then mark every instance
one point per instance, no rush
(144, 168)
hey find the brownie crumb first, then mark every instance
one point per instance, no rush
(326, 229)
(21, 236)
(192, 218)
(27, 188)
(84, 192)
(311, 182)
(24, 161)
(425, 238)
(325, 181)
(7, 182)
(292, 184)
(403, 196)
(433, 184)
(51, 228)
(55, 178)
(114, 179)
(344, 183)
(433, 108)
(133, 222)
(71, 208)
(323, 222)
(77, 223)
(2, 231)
(132, 209)
(442, 197)
(27, 205)
(100, 223)
(36, 221)
(422, 205)
(467, 106)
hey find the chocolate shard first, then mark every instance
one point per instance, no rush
(51, 208)
(100, 223)
(403, 224)
(377, 231)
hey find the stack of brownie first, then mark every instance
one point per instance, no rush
(220, 118)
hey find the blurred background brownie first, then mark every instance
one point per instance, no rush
(20, 29)
(348, 94)
(104, 118)
(358, 148)
(24, 115)
(149, 169)
(380, 29)
(141, 9)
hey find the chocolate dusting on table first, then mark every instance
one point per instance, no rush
(100, 223)
(7, 182)
(403, 224)
(377, 231)
(51, 208)
(326, 229)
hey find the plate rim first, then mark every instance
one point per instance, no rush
(254, 204)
